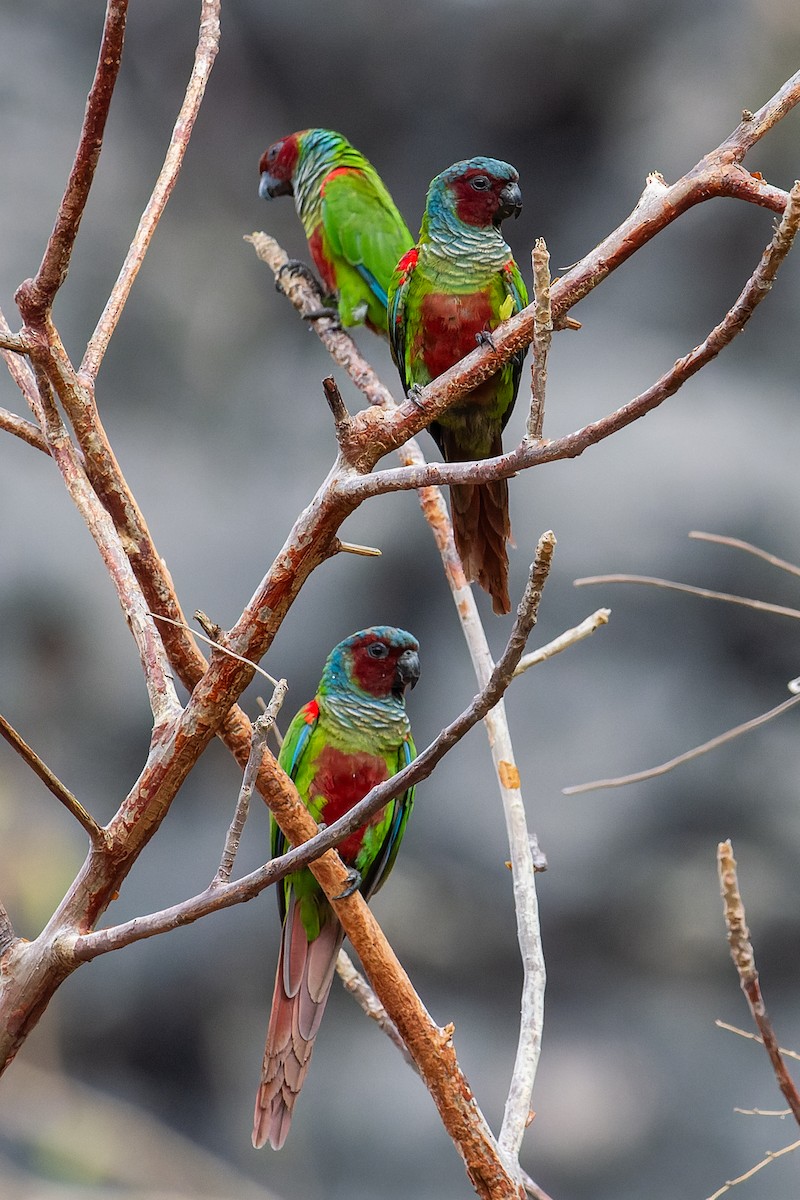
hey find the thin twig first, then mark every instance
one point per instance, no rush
(532, 1188)
(261, 728)
(570, 637)
(35, 296)
(738, 544)
(355, 983)
(216, 645)
(542, 337)
(764, 1112)
(769, 1158)
(672, 763)
(704, 593)
(53, 783)
(25, 430)
(745, 963)
(20, 371)
(207, 46)
(753, 1037)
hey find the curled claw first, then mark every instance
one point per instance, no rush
(353, 884)
(413, 394)
(484, 338)
(318, 313)
(295, 266)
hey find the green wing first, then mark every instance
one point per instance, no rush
(515, 290)
(403, 804)
(398, 312)
(296, 741)
(363, 226)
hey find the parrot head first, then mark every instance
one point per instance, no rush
(277, 166)
(300, 160)
(478, 191)
(378, 662)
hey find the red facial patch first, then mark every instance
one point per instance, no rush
(280, 159)
(475, 207)
(344, 779)
(375, 675)
(448, 329)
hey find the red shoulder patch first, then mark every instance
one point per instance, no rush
(332, 175)
(407, 263)
(310, 712)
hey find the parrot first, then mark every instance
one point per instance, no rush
(354, 734)
(456, 285)
(355, 232)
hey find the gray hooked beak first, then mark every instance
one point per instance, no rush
(270, 187)
(406, 672)
(510, 202)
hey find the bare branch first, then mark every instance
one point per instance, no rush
(261, 727)
(770, 1157)
(207, 46)
(672, 763)
(23, 429)
(52, 783)
(704, 593)
(738, 544)
(542, 337)
(35, 296)
(217, 645)
(570, 637)
(745, 963)
(753, 1037)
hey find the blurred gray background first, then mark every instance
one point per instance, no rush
(139, 1080)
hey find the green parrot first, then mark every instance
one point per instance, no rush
(355, 233)
(354, 734)
(450, 291)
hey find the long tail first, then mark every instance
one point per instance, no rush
(302, 985)
(481, 523)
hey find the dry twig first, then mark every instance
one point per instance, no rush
(745, 963)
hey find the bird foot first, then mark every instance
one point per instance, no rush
(413, 394)
(332, 314)
(353, 884)
(295, 266)
(484, 338)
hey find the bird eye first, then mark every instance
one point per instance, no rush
(377, 650)
(480, 183)
(273, 152)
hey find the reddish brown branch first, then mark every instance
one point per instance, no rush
(205, 54)
(745, 963)
(52, 782)
(35, 296)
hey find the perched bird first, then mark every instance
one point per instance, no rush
(350, 737)
(355, 233)
(447, 293)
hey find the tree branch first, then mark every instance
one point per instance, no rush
(35, 296)
(745, 963)
(52, 782)
(542, 337)
(205, 54)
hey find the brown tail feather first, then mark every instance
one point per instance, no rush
(481, 528)
(302, 986)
